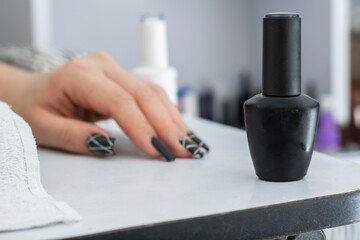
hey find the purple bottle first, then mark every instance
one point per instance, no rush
(328, 135)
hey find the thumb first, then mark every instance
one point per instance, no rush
(74, 135)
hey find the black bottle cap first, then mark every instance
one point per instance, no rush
(281, 54)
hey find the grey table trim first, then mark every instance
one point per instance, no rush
(257, 223)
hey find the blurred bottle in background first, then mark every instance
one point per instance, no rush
(328, 137)
(243, 95)
(206, 101)
(351, 133)
(220, 106)
(154, 64)
(188, 101)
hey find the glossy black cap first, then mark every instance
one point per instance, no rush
(281, 54)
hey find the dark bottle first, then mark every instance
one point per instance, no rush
(281, 122)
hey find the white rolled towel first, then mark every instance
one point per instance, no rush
(23, 201)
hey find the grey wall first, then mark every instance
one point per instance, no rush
(15, 22)
(210, 41)
(315, 37)
(355, 16)
(207, 39)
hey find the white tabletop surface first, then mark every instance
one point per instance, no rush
(131, 189)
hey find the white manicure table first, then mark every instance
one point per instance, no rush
(132, 196)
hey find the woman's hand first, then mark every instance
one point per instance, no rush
(62, 105)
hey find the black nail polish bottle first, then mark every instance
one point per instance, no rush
(281, 122)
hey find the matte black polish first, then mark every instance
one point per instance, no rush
(281, 122)
(162, 149)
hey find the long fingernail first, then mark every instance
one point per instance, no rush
(101, 144)
(197, 140)
(162, 148)
(191, 147)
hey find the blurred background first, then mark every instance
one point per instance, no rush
(216, 47)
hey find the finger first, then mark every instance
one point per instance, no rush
(90, 116)
(130, 83)
(96, 93)
(160, 118)
(176, 116)
(171, 108)
(153, 108)
(72, 135)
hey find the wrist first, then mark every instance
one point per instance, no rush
(14, 83)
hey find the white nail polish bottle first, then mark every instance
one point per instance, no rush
(154, 63)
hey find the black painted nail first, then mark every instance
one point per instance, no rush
(163, 149)
(101, 144)
(197, 140)
(192, 147)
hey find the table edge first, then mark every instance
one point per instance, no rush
(269, 221)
